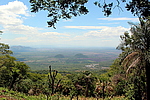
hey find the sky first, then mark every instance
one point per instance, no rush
(21, 27)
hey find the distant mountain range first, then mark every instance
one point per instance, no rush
(22, 49)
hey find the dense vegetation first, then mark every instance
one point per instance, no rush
(126, 77)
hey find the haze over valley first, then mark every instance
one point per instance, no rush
(66, 59)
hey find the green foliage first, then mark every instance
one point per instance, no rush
(117, 76)
(4, 49)
(106, 8)
(59, 9)
(5, 58)
(4, 77)
(20, 96)
(136, 85)
(139, 8)
(136, 7)
(11, 71)
(15, 75)
(35, 76)
(133, 63)
(84, 83)
(66, 9)
(24, 85)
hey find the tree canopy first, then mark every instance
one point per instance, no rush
(66, 9)
(11, 71)
(135, 60)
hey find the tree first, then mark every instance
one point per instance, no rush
(18, 72)
(53, 82)
(139, 8)
(5, 55)
(4, 49)
(84, 84)
(11, 71)
(66, 9)
(137, 61)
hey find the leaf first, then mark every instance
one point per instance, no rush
(50, 15)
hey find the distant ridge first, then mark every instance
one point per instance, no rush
(21, 48)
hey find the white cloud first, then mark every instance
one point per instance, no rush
(12, 22)
(53, 34)
(11, 13)
(107, 32)
(119, 19)
(109, 23)
(21, 29)
(85, 27)
(15, 7)
(97, 36)
(21, 41)
(12, 16)
(103, 31)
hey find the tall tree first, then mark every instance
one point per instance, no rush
(139, 44)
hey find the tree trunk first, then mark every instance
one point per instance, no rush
(148, 79)
(52, 78)
(87, 91)
(52, 86)
(77, 97)
(71, 97)
(87, 87)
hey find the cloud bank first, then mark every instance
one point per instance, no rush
(119, 19)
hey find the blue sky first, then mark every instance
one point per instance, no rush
(21, 27)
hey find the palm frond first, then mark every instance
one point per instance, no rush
(130, 57)
(133, 64)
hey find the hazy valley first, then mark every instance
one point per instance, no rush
(66, 59)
